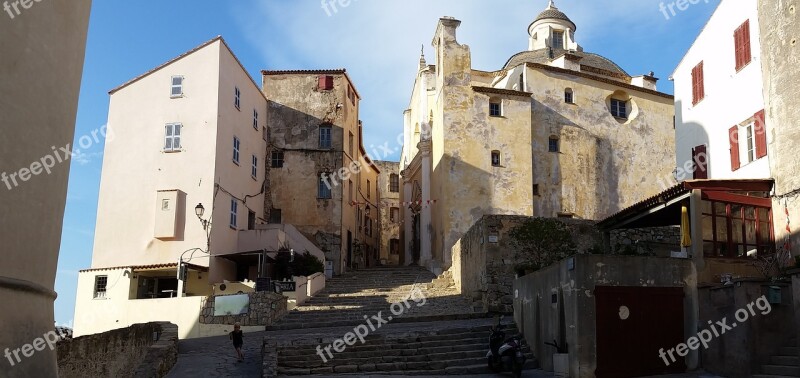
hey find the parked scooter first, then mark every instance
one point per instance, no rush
(505, 354)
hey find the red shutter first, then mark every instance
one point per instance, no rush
(325, 83)
(737, 47)
(700, 159)
(761, 135)
(698, 90)
(733, 137)
(701, 88)
(741, 39)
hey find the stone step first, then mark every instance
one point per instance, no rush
(396, 348)
(387, 367)
(289, 325)
(785, 360)
(791, 371)
(413, 362)
(771, 376)
(789, 351)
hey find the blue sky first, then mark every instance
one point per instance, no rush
(377, 41)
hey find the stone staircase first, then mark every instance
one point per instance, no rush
(348, 298)
(447, 351)
(785, 364)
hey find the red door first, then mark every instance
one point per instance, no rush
(633, 324)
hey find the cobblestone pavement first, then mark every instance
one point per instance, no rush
(215, 357)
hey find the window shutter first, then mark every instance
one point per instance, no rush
(761, 135)
(701, 89)
(325, 82)
(700, 159)
(746, 54)
(733, 137)
(698, 90)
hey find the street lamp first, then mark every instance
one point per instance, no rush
(199, 210)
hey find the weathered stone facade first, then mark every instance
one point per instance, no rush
(556, 132)
(390, 220)
(125, 352)
(658, 241)
(265, 309)
(780, 31)
(315, 133)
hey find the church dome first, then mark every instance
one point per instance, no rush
(553, 13)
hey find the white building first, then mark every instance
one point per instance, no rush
(189, 133)
(719, 100)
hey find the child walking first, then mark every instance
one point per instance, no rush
(237, 336)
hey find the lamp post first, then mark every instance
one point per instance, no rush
(199, 210)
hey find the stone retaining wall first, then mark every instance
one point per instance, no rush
(121, 353)
(265, 309)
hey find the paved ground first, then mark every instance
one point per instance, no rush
(215, 357)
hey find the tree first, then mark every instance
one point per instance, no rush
(304, 264)
(541, 242)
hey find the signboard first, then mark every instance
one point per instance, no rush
(231, 304)
(262, 284)
(286, 285)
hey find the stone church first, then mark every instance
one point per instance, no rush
(555, 132)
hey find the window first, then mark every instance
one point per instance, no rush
(741, 38)
(754, 144)
(521, 82)
(369, 195)
(325, 140)
(394, 214)
(619, 108)
(100, 285)
(325, 83)
(177, 87)
(700, 162)
(760, 130)
(350, 144)
(558, 39)
(237, 97)
(394, 183)
(172, 137)
(254, 168)
(251, 220)
(495, 158)
(351, 94)
(236, 150)
(569, 96)
(495, 108)
(750, 146)
(536, 189)
(350, 191)
(394, 246)
(369, 227)
(553, 145)
(275, 216)
(255, 119)
(324, 187)
(277, 159)
(736, 229)
(234, 213)
(698, 86)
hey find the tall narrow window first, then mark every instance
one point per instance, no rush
(553, 144)
(700, 162)
(369, 195)
(496, 158)
(236, 150)
(350, 191)
(522, 82)
(100, 286)
(325, 139)
(237, 99)
(255, 119)
(254, 168)
(234, 213)
(750, 145)
(324, 187)
(277, 159)
(394, 214)
(394, 183)
(558, 39)
(394, 246)
(177, 86)
(569, 96)
(350, 144)
(619, 108)
(172, 137)
(741, 38)
(275, 216)
(251, 220)
(698, 85)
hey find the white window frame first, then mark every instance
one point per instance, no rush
(236, 144)
(97, 293)
(237, 102)
(563, 38)
(254, 168)
(174, 86)
(234, 213)
(172, 139)
(747, 145)
(255, 119)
